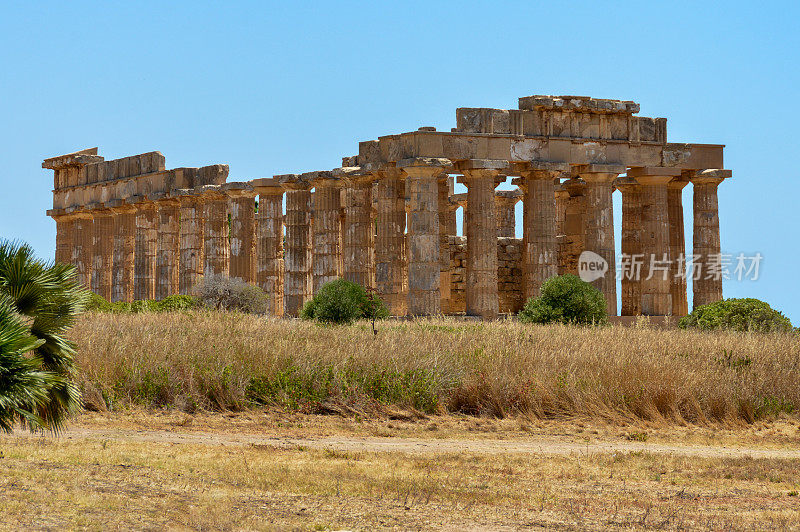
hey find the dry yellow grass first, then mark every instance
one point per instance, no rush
(211, 360)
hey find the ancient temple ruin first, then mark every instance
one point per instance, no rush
(386, 218)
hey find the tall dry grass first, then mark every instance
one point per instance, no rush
(231, 361)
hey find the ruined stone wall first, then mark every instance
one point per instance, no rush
(509, 274)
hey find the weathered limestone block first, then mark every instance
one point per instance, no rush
(167, 246)
(359, 233)
(190, 253)
(102, 256)
(424, 258)
(144, 275)
(269, 242)
(124, 228)
(707, 286)
(505, 202)
(573, 243)
(391, 263)
(297, 260)
(599, 224)
(216, 250)
(677, 245)
(327, 253)
(242, 208)
(481, 176)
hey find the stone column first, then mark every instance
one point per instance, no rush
(190, 253)
(655, 283)
(481, 176)
(327, 255)
(445, 189)
(632, 254)
(83, 240)
(242, 208)
(562, 199)
(599, 224)
(359, 233)
(144, 274)
(706, 246)
(574, 224)
(390, 244)
(269, 242)
(103, 249)
(167, 246)
(505, 201)
(297, 260)
(124, 250)
(216, 250)
(539, 248)
(677, 246)
(424, 256)
(65, 226)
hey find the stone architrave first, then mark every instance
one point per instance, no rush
(358, 253)
(167, 245)
(145, 246)
(481, 176)
(216, 249)
(124, 229)
(706, 280)
(190, 253)
(424, 256)
(539, 249)
(297, 277)
(327, 255)
(269, 242)
(391, 262)
(242, 208)
(655, 281)
(102, 252)
(677, 245)
(599, 224)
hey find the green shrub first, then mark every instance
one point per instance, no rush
(178, 302)
(566, 299)
(746, 314)
(342, 301)
(169, 304)
(228, 293)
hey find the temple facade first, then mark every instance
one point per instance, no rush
(386, 218)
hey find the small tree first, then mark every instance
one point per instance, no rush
(566, 299)
(228, 293)
(342, 301)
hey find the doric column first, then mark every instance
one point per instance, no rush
(505, 201)
(242, 208)
(64, 235)
(424, 257)
(327, 255)
(631, 246)
(359, 233)
(707, 286)
(562, 200)
(144, 274)
(167, 245)
(677, 245)
(655, 282)
(390, 242)
(124, 250)
(481, 176)
(102, 254)
(574, 224)
(190, 246)
(539, 248)
(83, 241)
(216, 250)
(269, 242)
(599, 224)
(444, 185)
(297, 287)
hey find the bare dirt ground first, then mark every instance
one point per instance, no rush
(275, 470)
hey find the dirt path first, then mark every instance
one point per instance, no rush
(549, 445)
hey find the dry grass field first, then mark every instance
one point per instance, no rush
(214, 421)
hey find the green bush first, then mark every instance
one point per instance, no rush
(342, 301)
(746, 314)
(169, 304)
(566, 299)
(229, 293)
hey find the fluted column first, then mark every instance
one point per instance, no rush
(327, 255)
(677, 246)
(505, 202)
(445, 189)
(83, 242)
(539, 249)
(102, 252)
(481, 176)
(631, 246)
(297, 287)
(574, 242)
(599, 224)
(359, 233)
(269, 242)
(190, 253)
(706, 286)
(561, 200)
(242, 208)
(216, 250)
(424, 257)
(124, 228)
(65, 226)
(144, 274)
(390, 243)
(167, 247)
(655, 284)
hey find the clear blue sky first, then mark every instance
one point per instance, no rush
(283, 87)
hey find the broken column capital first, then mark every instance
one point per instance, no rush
(239, 189)
(267, 186)
(599, 173)
(653, 175)
(293, 182)
(539, 169)
(713, 176)
(321, 178)
(423, 166)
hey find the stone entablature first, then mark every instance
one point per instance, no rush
(386, 218)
